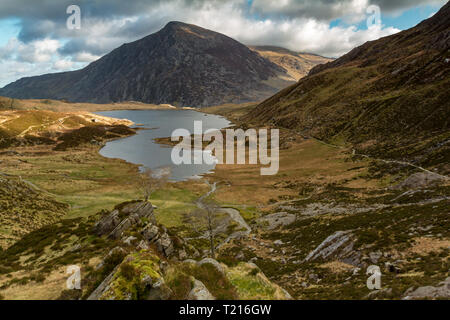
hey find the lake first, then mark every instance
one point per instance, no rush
(143, 150)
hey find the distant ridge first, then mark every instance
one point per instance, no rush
(296, 64)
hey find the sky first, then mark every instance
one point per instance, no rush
(35, 38)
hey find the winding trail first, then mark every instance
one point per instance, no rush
(234, 214)
(382, 160)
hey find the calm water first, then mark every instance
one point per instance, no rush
(141, 149)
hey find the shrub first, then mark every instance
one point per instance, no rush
(128, 271)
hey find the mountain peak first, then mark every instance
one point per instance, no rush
(182, 64)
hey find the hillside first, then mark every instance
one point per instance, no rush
(182, 64)
(297, 64)
(388, 97)
(65, 106)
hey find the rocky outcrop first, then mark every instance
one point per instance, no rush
(338, 246)
(213, 262)
(421, 180)
(138, 277)
(276, 220)
(119, 220)
(441, 291)
(137, 216)
(199, 291)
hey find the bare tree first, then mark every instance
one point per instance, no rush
(150, 181)
(206, 221)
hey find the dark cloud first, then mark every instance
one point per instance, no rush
(47, 18)
(330, 9)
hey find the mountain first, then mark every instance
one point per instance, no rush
(182, 64)
(388, 97)
(296, 64)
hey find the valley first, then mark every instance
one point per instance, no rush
(363, 181)
(320, 188)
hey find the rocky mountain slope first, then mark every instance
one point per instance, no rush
(182, 64)
(297, 64)
(388, 97)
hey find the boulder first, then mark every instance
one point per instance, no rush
(441, 291)
(165, 245)
(338, 246)
(275, 220)
(129, 241)
(107, 223)
(199, 291)
(143, 245)
(421, 180)
(215, 263)
(150, 232)
(119, 220)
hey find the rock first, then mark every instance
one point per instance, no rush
(199, 291)
(215, 263)
(278, 242)
(338, 245)
(150, 232)
(252, 265)
(313, 277)
(116, 250)
(143, 245)
(147, 281)
(103, 287)
(287, 296)
(191, 261)
(379, 293)
(113, 225)
(159, 291)
(240, 256)
(107, 224)
(356, 271)
(75, 247)
(165, 245)
(275, 220)
(375, 256)
(421, 180)
(129, 240)
(182, 255)
(442, 291)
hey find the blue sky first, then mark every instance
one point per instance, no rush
(402, 20)
(35, 40)
(10, 29)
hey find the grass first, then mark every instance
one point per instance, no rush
(64, 106)
(250, 284)
(304, 162)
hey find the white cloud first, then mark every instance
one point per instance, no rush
(63, 65)
(38, 50)
(86, 57)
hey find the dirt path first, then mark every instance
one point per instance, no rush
(382, 160)
(234, 214)
(399, 162)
